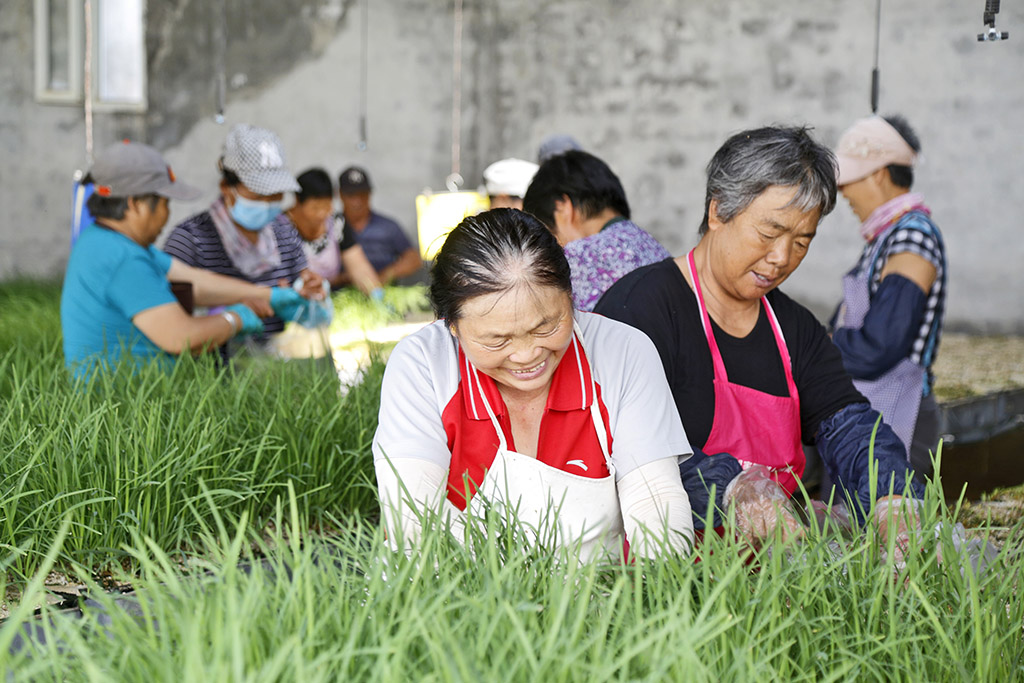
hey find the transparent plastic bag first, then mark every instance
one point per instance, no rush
(762, 506)
(307, 336)
(315, 313)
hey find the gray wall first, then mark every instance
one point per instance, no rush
(651, 86)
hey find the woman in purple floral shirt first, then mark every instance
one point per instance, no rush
(580, 199)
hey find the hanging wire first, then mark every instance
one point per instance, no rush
(87, 83)
(875, 76)
(456, 178)
(364, 71)
(219, 59)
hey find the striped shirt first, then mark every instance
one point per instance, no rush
(195, 242)
(915, 233)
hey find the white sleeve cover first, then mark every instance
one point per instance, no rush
(655, 509)
(408, 487)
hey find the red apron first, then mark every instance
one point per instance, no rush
(754, 427)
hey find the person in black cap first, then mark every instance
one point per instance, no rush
(236, 235)
(331, 248)
(385, 244)
(117, 297)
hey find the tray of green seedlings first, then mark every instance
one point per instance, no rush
(353, 311)
(239, 509)
(289, 605)
(129, 453)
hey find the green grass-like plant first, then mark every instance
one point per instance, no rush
(130, 452)
(240, 505)
(289, 606)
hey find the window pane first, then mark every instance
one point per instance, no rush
(59, 35)
(122, 55)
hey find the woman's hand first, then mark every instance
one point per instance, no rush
(762, 506)
(312, 285)
(260, 307)
(896, 518)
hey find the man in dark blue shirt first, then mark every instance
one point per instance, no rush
(385, 244)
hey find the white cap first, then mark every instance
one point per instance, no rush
(509, 176)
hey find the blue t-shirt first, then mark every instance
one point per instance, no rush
(383, 241)
(110, 279)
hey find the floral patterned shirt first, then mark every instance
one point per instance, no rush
(598, 261)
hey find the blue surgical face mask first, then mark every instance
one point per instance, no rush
(254, 215)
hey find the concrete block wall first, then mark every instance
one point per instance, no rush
(652, 86)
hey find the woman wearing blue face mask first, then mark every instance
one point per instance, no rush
(236, 236)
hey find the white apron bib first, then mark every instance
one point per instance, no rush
(553, 507)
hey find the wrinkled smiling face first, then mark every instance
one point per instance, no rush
(517, 337)
(761, 246)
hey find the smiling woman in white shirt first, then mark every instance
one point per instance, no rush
(514, 398)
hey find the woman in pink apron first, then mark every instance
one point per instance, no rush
(514, 402)
(890, 322)
(753, 374)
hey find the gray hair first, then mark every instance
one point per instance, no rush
(754, 160)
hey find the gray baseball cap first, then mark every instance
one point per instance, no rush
(131, 169)
(553, 145)
(256, 156)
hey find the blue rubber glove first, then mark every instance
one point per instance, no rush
(251, 323)
(287, 303)
(377, 294)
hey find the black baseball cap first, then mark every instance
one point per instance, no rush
(353, 180)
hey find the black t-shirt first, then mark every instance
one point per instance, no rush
(657, 300)
(348, 235)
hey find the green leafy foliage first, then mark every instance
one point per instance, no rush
(290, 606)
(354, 311)
(240, 508)
(130, 452)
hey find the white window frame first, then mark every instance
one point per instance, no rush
(75, 92)
(76, 51)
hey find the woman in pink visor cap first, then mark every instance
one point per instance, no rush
(890, 321)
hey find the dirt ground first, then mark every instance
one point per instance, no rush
(969, 365)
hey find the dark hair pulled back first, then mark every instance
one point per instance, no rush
(314, 183)
(495, 251)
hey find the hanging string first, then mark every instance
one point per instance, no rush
(875, 76)
(87, 83)
(456, 178)
(219, 59)
(364, 70)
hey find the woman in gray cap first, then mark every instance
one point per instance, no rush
(236, 235)
(117, 299)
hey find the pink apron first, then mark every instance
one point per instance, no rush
(754, 427)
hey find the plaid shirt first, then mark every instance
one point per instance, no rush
(915, 233)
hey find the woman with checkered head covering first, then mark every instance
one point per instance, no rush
(237, 235)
